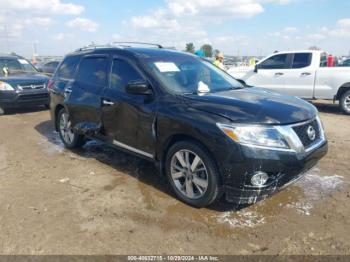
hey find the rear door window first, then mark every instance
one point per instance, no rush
(301, 60)
(93, 71)
(275, 62)
(68, 67)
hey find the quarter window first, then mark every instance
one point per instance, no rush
(93, 71)
(122, 74)
(274, 62)
(68, 67)
(301, 60)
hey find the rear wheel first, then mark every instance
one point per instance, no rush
(69, 138)
(192, 174)
(345, 102)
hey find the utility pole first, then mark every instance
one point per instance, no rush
(35, 54)
(7, 47)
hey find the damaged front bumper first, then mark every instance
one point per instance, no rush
(284, 169)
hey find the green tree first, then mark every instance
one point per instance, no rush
(208, 50)
(314, 48)
(190, 48)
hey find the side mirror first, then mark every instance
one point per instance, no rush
(256, 69)
(138, 87)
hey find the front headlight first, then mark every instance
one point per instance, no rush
(255, 135)
(5, 86)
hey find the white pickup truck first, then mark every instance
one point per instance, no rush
(299, 73)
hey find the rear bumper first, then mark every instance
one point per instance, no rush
(287, 170)
(13, 99)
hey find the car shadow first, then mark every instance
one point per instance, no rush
(142, 170)
(25, 110)
(328, 107)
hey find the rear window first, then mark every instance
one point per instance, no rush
(323, 62)
(68, 67)
(93, 71)
(301, 60)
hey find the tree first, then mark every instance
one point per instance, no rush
(314, 48)
(208, 50)
(190, 48)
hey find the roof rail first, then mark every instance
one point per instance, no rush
(120, 44)
(92, 46)
(128, 44)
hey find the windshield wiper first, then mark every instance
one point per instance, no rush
(225, 89)
(190, 93)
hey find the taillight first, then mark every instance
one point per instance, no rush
(50, 84)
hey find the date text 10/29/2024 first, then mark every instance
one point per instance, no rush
(173, 258)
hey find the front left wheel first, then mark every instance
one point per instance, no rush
(192, 174)
(68, 136)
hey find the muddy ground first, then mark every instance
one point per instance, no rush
(101, 201)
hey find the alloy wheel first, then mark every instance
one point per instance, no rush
(66, 129)
(347, 102)
(189, 174)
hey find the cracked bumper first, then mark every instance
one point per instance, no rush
(285, 170)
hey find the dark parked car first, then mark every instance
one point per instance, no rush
(21, 84)
(346, 63)
(207, 133)
(48, 68)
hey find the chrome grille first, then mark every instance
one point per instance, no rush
(302, 133)
(31, 86)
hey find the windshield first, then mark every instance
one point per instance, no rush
(13, 66)
(187, 74)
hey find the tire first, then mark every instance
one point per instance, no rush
(344, 102)
(70, 139)
(204, 181)
(2, 111)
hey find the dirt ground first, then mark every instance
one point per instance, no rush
(98, 200)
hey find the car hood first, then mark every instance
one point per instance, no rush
(24, 78)
(254, 106)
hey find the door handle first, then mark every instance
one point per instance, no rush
(279, 74)
(107, 103)
(306, 74)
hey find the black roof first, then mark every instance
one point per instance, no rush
(154, 52)
(132, 51)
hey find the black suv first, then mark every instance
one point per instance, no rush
(21, 84)
(209, 135)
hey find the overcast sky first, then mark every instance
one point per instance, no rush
(245, 27)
